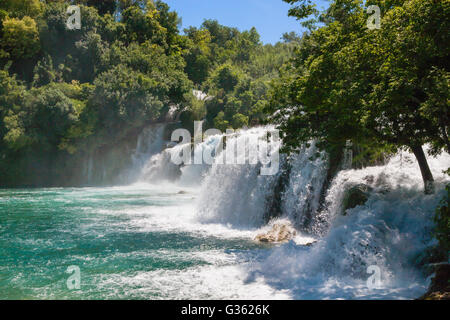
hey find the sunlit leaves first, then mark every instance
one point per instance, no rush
(20, 37)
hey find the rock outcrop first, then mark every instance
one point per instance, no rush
(440, 284)
(280, 231)
(355, 196)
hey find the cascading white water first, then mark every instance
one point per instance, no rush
(88, 167)
(150, 142)
(306, 180)
(159, 167)
(401, 173)
(236, 194)
(240, 197)
(391, 230)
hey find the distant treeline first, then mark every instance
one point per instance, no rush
(70, 91)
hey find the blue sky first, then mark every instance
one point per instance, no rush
(269, 17)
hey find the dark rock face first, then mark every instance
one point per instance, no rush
(274, 202)
(356, 196)
(429, 258)
(440, 284)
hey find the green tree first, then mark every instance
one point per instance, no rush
(64, 92)
(124, 98)
(52, 114)
(198, 55)
(370, 86)
(225, 77)
(103, 7)
(290, 37)
(239, 121)
(442, 219)
(22, 8)
(11, 98)
(220, 122)
(20, 37)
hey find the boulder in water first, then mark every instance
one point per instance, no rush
(440, 285)
(355, 196)
(280, 231)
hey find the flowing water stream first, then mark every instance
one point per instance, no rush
(187, 232)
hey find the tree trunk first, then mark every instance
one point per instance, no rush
(427, 176)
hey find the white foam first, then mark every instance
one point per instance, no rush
(389, 231)
(203, 282)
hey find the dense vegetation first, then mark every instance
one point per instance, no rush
(235, 70)
(384, 89)
(65, 92)
(73, 91)
(442, 219)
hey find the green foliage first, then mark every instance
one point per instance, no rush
(291, 37)
(103, 7)
(225, 77)
(234, 69)
(68, 92)
(195, 110)
(52, 114)
(41, 119)
(125, 97)
(442, 219)
(239, 120)
(151, 60)
(75, 90)
(22, 8)
(116, 73)
(142, 25)
(20, 37)
(220, 122)
(11, 97)
(386, 87)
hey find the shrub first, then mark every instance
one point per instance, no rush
(442, 219)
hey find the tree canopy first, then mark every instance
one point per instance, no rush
(387, 87)
(65, 91)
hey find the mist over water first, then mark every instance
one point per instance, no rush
(186, 232)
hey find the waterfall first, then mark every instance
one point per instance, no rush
(348, 156)
(122, 163)
(396, 180)
(150, 143)
(308, 172)
(90, 164)
(159, 168)
(238, 194)
(391, 231)
(244, 198)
